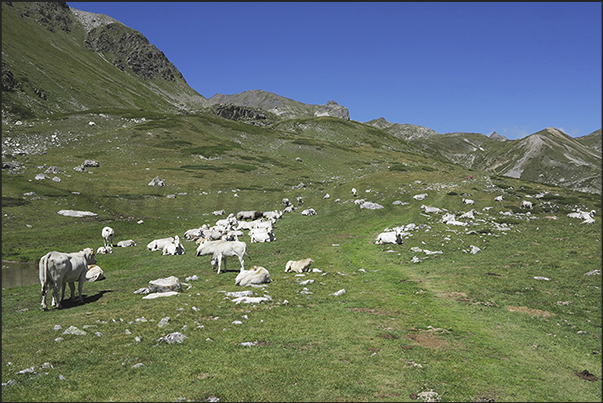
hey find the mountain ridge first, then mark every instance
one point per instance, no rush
(94, 62)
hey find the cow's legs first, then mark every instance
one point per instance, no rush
(56, 291)
(80, 289)
(44, 288)
(242, 262)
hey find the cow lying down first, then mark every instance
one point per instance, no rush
(255, 275)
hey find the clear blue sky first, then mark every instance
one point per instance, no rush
(511, 67)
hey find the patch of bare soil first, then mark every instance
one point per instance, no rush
(429, 340)
(530, 311)
(587, 376)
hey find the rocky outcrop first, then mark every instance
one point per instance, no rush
(246, 114)
(9, 82)
(131, 49)
(498, 137)
(333, 109)
(54, 16)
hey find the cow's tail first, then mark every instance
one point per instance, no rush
(248, 255)
(44, 276)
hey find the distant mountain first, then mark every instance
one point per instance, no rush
(548, 156)
(57, 60)
(592, 141)
(403, 131)
(283, 108)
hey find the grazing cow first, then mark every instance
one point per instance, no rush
(226, 249)
(289, 209)
(58, 269)
(159, 244)
(174, 248)
(207, 247)
(300, 201)
(393, 237)
(248, 215)
(298, 266)
(286, 202)
(255, 275)
(468, 201)
(527, 204)
(309, 212)
(498, 198)
(354, 192)
(107, 234)
(327, 196)
(218, 212)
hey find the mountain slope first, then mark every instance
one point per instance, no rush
(548, 156)
(284, 108)
(52, 63)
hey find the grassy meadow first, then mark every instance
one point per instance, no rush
(466, 326)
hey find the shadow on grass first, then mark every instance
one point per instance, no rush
(68, 303)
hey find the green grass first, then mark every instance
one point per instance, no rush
(470, 327)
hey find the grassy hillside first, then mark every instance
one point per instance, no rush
(467, 327)
(53, 70)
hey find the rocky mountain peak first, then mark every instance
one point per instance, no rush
(333, 109)
(495, 136)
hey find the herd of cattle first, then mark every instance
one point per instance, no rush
(57, 269)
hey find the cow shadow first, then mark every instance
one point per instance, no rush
(68, 303)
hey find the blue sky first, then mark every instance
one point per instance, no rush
(510, 67)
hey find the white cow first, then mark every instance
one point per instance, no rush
(58, 269)
(421, 196)
(159, 244)
(393, 237)
(174, 248)
(103, 250)
(469, 214)
(300, 200)
(255, 275)
(309, 212)
(286, 202)
(95, 273)
(429, 209)
(207, 247)
(261, 235)
(125, 244)
(354, 192)
(468, 201)
(226, 249)
(527, 204)
(289, 209)
(275, 214)
(108, 234)
(298, 266)
(498, 198)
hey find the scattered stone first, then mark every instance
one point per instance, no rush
(172, 338)
(74, 330)
(161, 294)
(76, 213)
